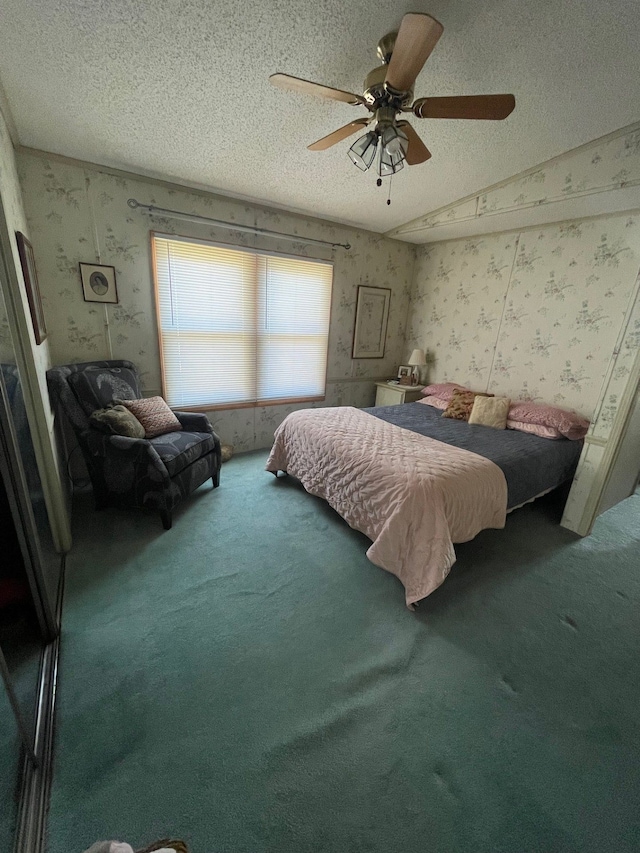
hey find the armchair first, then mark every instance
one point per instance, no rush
(151, 473)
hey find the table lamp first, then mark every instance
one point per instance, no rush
(416, 361)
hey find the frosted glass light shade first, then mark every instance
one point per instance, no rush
(393, 149)
(395, 141)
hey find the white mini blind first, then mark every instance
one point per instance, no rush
(238, 326)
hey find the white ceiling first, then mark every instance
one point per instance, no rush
(179, 88)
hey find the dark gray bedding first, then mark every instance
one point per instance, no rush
(531, 465)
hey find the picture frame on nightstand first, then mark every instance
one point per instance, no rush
(404, 374)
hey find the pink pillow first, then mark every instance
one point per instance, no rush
(444, 390)
(535, 429)
(154, 415)
(569, 424)
(437, 402)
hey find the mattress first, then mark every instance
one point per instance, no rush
(531, 465)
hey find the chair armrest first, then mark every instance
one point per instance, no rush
(136, 450)
(194, 422)
(199, 422)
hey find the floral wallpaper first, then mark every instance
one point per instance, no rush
(609, 163)
(549, 314)
(80, 213)
(532, 315)
(604, 164)
(16, 221)
(33, 360)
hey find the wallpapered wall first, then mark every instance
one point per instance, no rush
(33, 360)
(535, 314)
(611, 163)
(550, 314)
(79, 213)
(17, 221)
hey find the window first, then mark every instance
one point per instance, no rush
(240, 327)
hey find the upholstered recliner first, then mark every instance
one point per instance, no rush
(151, 473)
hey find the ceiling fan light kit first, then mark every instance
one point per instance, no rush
(393, 150)
(363, 150)
(388, 92)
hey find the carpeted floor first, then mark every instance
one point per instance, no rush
(250, 682)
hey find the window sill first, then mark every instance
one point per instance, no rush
(220, 407)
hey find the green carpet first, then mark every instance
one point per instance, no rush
(10, 763)
(250, 682)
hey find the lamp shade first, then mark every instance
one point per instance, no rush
(417, 358)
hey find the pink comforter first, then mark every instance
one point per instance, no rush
(412, 496)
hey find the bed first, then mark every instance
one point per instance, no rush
(416, 483)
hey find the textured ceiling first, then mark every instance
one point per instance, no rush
(179, 88)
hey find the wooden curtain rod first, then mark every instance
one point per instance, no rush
(194, 217)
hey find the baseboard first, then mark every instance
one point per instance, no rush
(36, 780)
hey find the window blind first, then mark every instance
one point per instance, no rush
(240, 327)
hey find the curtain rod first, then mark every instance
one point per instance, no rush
(195, 217)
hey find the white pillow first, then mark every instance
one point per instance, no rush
(490, 411)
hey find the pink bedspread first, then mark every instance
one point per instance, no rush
(412, 496)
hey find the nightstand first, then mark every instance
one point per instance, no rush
(391, 395)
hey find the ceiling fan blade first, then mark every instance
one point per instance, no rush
(417, 36)
(417, 152)
(306, 87)
(338, 135)
(495, 107)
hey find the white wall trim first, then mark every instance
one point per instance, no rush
(611, 450)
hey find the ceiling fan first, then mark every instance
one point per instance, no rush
(388, 92)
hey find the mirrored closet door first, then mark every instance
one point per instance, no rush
(30, 571)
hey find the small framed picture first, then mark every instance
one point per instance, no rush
(404, 374)
(28, 264)
(98, 283)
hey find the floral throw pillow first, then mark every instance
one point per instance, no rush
(461, 404)
(154, 415)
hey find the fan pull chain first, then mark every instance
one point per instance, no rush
(379, 184)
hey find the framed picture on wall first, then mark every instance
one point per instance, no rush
(372, 316)
(28, 264)
(99, 283)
